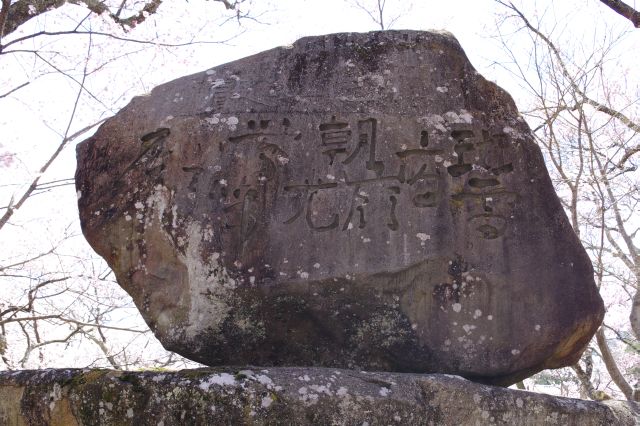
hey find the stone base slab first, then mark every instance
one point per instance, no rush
(283, 396)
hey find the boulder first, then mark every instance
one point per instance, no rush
(354, 200)
(284, 396)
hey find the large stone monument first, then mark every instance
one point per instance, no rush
(354, 200)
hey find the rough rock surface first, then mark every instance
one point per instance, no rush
(284, 396)
(354, 200)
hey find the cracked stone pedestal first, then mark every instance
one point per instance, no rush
(363, 201)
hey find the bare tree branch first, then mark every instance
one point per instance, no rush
(588, 150)
(625, 10)
(4, 13)
(4, 95)
(3, 50)
(377, 12)
(565, 71)
(21, 11)
(630, 344)
(70, 321)
(11, 209)
(584, 376)
(612, 367)
(105, 350)
(31, 348)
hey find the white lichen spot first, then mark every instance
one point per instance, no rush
(489, 317)
(79, 194)
(217, 83)
(466, 116)
(222, 379)
(282, 159)
(477, 398)
(342, 391)
(266, 402)
(130, 413)
(210, 72)
(213, 120)
(384, 391)
(456, 307)
(435, 121)
(463, 117)
(442, 89)
(537, 327)
(477, 314)
(158, 201)
(174, 216)
(377, 79)
(316, 265)
(127, 217)
(515, 352)
(423, 237)
(264, 380)
(519, 402)
(55, 395)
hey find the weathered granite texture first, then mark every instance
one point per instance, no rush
(284, 396)
(354, 200)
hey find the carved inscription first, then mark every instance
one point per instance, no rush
(418, 170)
(222, 89)
(362, 180)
